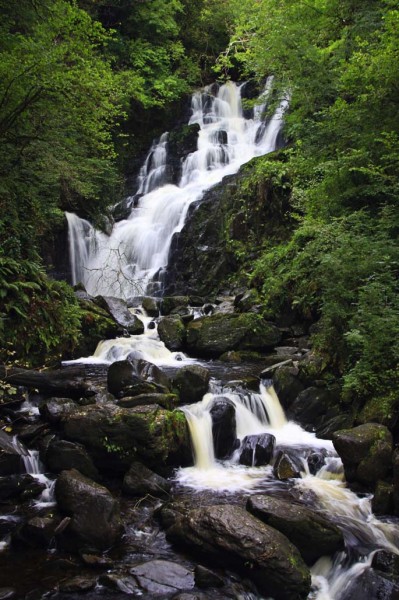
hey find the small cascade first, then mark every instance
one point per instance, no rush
(200, 426)
(131, 260)
(34, 467)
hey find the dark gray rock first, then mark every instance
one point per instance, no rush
(119, 311)
(168, 401)
(163, 577)
(21, 487)
(192, 381)
(366, 452)
(213, 335)
(56, 408)
(93, 510)
(284, 467)
(172, 332)
(205, 578)
(140, 481)
(224, 430)
(371, 584)
(287, 385)
(257, 450)
(315, 407)
(151, 306)
(229, 536)
(310, 532)
(170, 303)
(77, 584)
(11, 452)
(62, 455)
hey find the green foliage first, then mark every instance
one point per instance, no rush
(39, 318)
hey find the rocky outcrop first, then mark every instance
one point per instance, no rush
(212, 336)
(257, 450)
(230, 536)
(93, 510)
(311, 533)
(192, 382)
(114, 436)
(366, 452)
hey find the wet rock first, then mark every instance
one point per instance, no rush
(93, 510)
(172, 332)
(365, 451)
(114, 436)
(120, 583)
(230, 536)
(376, 411)
(371, 584)
(97, 561)
(314, 406)
(121, 376)
(163, 577)
(395, 465)
(7, 593)
(386, 562)
(30, 433)
(153, 374)
(62, 455)
(168, 401)
(140, 481)
(205, 578)
(56, 408)
(11, 452)
(39, 531)
(213, 335)
(170, 303)
(285, 468)
(311, 533)
(382, 502)
(97, 325)
(151, 306)
(192, 381)
(77, 584)
(22, 486)
(287, 385)
(257, 450)
(119, 311)
(224, 431)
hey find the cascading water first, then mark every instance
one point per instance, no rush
(129, 261)
(256, 413)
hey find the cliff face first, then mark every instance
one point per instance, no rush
(227, 228)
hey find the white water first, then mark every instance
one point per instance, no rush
(125, 263)
(34, 467)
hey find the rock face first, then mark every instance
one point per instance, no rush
(223, 427)
(172, 332)
(118, 310)
(62, 455)
(366, 452)
(163, 577)
(235, 538)
(311, 533)
(216, 334)
(192, 381)
(140, 480)
(93, 510)
(257, 450)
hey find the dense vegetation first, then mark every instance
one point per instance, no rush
(338, 61)
(74, 78)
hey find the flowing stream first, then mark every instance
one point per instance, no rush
(130, 262)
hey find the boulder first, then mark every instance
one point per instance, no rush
(380, 410)
(285, 468)
(310, 532)
(62, 455)
(257, 450)
(151, 306)
(119, 311)
(54, 409)
(94, 512)
(11, 451)
(287, 385)
(382, 502)
(131, 377)
(213, 335)
(140, 481)
(365, 451)
(192, 381)
(114, 436)
(371, 584)
(168, 401)
(163, 577)
(96, 325)
(170, 303)
(229, 536)
(224, 431)
(315, 407)
(21, 487)
(172, 332)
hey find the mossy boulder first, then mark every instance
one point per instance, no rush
(170, 303)
(366, 452)
(380, 410)
(118, 310)
(310, 532)
(213, 335)
(114, 436)
(172, 332)
(192, 382)
(229, 536)
(96, 325)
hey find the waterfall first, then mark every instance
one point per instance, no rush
(131, 260)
